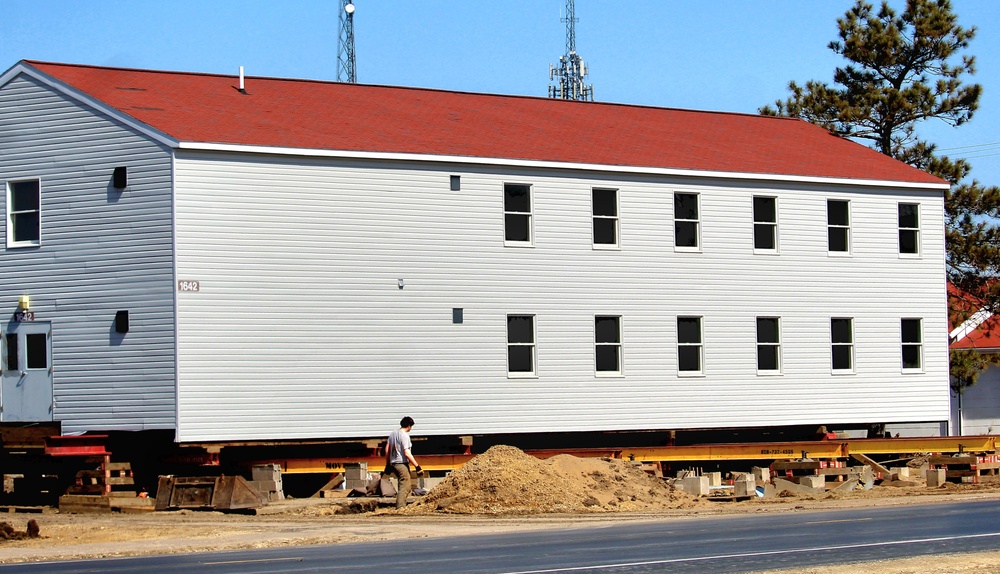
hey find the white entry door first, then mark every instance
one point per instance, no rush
(26, 391)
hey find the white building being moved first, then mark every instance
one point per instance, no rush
(313, 260)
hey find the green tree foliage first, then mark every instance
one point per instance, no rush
(905, 68)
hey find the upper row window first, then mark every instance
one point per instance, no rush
(517, 213)
(23, 198)
(687, 222)
(909, 228)
(24, 215)
(605, 203)
(838, 221)
(765, 223)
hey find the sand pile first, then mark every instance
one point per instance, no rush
(505, 480)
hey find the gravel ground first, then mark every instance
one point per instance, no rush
(503, 491)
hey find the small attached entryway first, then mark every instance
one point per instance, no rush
(26, 353)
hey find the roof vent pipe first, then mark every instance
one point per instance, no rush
(242, 83)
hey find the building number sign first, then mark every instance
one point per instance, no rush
(189, 286)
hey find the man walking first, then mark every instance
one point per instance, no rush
(398, 459)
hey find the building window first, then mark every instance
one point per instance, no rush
(842, 340)
(838, 221)
(909, 228)
(517, 213)
(24, 213)
(765, 223)
(689, 346)
(605, 203)
(520, 345)
(608, 342)
(10, 352)
(768, 344)
(687, 224)
(913, 349)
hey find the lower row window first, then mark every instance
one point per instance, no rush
(690, 344)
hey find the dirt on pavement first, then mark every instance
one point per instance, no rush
(502, 490)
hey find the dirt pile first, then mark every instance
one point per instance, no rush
(505, 480)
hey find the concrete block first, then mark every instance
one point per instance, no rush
(817, 481)
(266, 472)
(761, 474)
(714, 478)
(900, 473)
(936, 477)
(695, 485)
(356, 471)
(745, 485)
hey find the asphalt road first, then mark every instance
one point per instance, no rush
(729, 544)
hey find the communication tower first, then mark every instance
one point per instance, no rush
(569, 75)
(347, 67)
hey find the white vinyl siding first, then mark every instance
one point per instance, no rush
(103, 251)
(299, 261)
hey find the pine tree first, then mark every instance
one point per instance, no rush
(904, 69)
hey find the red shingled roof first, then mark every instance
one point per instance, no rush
(208, 108)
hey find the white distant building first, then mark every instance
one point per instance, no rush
(303, 259)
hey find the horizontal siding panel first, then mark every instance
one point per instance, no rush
(300, 330)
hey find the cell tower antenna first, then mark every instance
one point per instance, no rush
(569, 75)
(347, 66)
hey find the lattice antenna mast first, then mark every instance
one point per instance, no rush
(347, 66)
(572, 70)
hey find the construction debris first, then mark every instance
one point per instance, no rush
(7, 531)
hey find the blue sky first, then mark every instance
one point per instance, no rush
(725, 55)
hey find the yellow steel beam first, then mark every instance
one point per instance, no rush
(948, 444)
(738, 451)
(791, 450)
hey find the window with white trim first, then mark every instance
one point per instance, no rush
(765, 223)
(911, 334)
(909, 228)
(517, 213)
(838, 222)
(520, 345)
(842, 344)
(768, 345)
(608, 344)
(689, 346)
(687, 222)
(24, 213)
(605, 206)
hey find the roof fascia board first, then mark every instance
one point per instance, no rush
(343, 154)
(66, 89)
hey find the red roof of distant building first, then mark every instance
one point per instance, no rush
(983, 336)
(283, 113)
